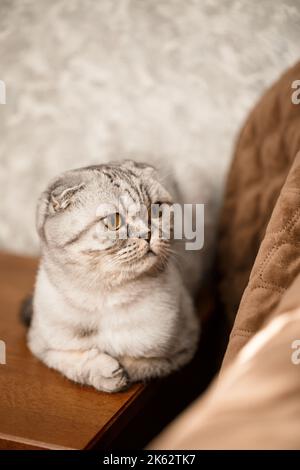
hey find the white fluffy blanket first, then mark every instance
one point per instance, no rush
(94, 80)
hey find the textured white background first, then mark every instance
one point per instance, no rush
(88, 81)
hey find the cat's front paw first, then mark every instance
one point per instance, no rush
(107, 375)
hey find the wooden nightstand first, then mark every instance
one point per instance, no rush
(40, 409)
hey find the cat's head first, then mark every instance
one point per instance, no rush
(115, 219)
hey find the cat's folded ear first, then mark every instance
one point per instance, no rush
(141, 168)
(61, 196)
(57, 197)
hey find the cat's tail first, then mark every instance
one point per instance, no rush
(26, 311)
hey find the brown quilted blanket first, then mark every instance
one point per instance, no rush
(265, 151)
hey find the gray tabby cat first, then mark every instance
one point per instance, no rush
(109, 311)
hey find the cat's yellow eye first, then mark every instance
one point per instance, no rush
(113, 221)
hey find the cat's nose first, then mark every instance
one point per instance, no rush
(146, 235)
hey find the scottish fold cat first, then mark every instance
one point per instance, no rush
(113, 300)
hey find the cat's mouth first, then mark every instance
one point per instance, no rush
(150, 251)
(155, 256)
(151, 254)
(151, 261)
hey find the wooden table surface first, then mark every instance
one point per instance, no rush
(39, 408)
